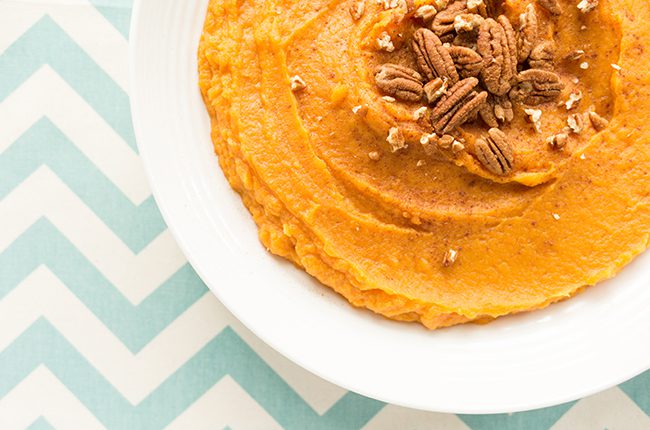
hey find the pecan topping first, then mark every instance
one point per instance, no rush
(385, 43)
(587, 6)
(443, 23)
(426, 13)
(498, 50)
(297, 84)
(536, 87)
(497, 110)
(467, 22)
(534, 116)
(433, 58)
(459, 105)
(435, 89)
(446, 141)
(477, 6)
(576, 123)
(471, 62)
(598, 122)
(357, 10)
(374, 155)
(557, 141)
(400, 82)
(419, 113)
(485, 8)
(495, 152)
(542, 56)
(449, 258)
(396, 139)
(511, 39)
(467, 40)
(527, 33)
(574, 99)
(551, 6)
(503, 110)
(575, 55)
(468, 62)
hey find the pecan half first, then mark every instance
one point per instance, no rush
(543, 56)
(527, 36)
(432, 58)
(468, 62)
(496, 111)
(511, 39)
(443, 23)
(536, 87)
(495, 152)
(400, 82)
(497, 51)
(552, 6)
(459, 105)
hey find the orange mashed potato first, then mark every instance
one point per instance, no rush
(300, 129)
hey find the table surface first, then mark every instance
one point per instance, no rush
(103, 323)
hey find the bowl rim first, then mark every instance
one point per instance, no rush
(198, 265)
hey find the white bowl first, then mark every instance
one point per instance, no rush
(565, 352)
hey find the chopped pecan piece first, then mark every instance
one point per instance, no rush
(543, 56)
(467, 22)
(575, 97)
(435, 89)
(552, 6)
(446, 141)
(495, 152)
(400, 82)
(493, 7)
(534, 116)
(297, 84)
(396, 139)
(433, 58)
(598, 122)
(536, 87)
(557, 141)
(477, 6)
(357, 10)
(459, 105)
(426, 13)
(485, 8)
(527, 36)
(498, 52)
(443, 23)
(503, 110)
(576, 123)
(575, 55)
(587, 6)
(468, 62)
(467, 40)
(497, 110)
(449, 258)
(385, 43)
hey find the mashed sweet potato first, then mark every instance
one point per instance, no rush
(300, 128)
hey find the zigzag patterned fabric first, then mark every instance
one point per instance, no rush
(103, 324)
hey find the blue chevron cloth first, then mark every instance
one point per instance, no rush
(103, 324)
